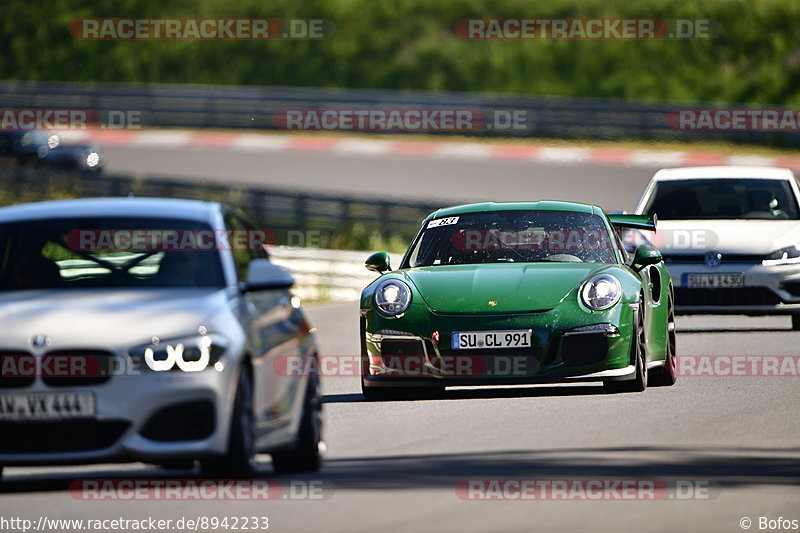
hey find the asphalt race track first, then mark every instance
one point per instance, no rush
(457, 180)
(394, 466)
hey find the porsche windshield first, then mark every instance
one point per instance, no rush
(513, 237)
(102, 252)
(735, 198)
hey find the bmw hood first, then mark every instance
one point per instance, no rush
(104, 318)
(745, 237)
(515, 287)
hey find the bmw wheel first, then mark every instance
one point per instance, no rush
(239, 460)
(307, 455)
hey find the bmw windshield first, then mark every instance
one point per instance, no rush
(513, 237)
(101, 252)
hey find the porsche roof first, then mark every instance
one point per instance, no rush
(544, 205)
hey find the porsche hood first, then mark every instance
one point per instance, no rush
(498, 288)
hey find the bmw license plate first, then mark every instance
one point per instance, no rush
(714, 281)
(47, 406)
(517, 338)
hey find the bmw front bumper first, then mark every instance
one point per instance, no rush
(135, 420)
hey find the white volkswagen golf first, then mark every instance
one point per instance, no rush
(730, 237)
(139, 330)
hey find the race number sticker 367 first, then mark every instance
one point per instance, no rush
(449, 221)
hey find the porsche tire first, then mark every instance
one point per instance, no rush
(667, 375)
(639, 356)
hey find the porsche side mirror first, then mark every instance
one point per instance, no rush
(645, 255)
(378, 262)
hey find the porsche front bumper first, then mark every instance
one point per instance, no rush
(565, 347)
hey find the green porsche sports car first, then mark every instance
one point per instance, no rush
(515, 293)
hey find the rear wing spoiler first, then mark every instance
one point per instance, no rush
(644, 222)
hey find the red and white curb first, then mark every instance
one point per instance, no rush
(475, 151)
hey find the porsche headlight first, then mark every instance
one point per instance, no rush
(191, 354)
(392, 297)
(785, 256)
(601, 292)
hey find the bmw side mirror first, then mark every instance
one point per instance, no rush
(263, 274)
(378, 262)
(645, 255)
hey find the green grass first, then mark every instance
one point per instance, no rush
(410, 44)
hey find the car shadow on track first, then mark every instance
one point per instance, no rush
(70, 480)
(488, 392)
(694, 331)
(718, 467)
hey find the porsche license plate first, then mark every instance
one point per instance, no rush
(516, 338)
(47, 406)
(714, 281)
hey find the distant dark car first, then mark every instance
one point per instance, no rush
(47, 148)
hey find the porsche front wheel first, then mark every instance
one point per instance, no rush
(666, 375)
(639, 357)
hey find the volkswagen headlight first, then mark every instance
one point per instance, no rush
(191, 354)
(601, 292)
(785, 256)
(392, 297)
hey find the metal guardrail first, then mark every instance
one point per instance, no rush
(229, 106)
(325, 275)
(321, 274)
(296, 217)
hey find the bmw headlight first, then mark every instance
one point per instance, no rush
(785, 256)
(601, 292)
(191, 354)
(92, 159)
(392, 297)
